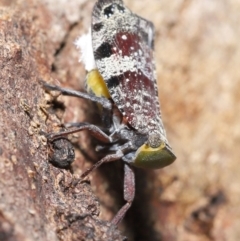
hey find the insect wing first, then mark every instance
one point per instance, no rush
(123, 51)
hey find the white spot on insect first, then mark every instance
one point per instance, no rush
(124, 37)
(116, 64)
(136, 54)
(127, 80)
(114, 48)
(84, 44)
(132, 48)
(128, 104)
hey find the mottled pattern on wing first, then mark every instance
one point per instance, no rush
(123, 50)
(135, 93)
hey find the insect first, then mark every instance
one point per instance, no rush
(122, 82)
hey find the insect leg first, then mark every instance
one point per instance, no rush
(129, 193)
(94, 131)
(108, 158)
(107, 104)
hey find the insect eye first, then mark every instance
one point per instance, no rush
(154, 140)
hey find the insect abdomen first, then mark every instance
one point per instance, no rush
(96, 84)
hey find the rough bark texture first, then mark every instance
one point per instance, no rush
(198, 59)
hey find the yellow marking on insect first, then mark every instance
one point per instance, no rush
(148, 157)
(96, 84)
